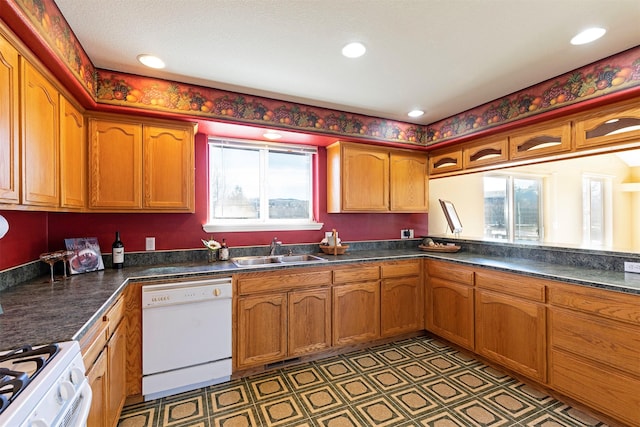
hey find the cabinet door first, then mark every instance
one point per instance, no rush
(98, 380)
(262, 329)
(512, 332)
(450, 311)
(117, 366)
(356, 313)
(73, 156)
(445, 161)
(365, 179)
(540, 141)
(610, 126)
(168, 168)
(9, 124)
(401, 306)
(115, 155)
(409, 185)
(40, 148)
(309, 321)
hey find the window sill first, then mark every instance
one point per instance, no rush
(215, 228)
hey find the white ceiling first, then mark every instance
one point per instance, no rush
(442, 56)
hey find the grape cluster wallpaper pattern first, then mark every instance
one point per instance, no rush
(614, 74)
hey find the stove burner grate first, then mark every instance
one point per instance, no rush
(12, 382)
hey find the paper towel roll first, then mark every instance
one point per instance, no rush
(4, 226)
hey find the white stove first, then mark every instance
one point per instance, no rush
(44, 386)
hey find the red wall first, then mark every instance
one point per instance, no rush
(26, 239)
(31, 233)
(184, 231)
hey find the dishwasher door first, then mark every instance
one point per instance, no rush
(186, 336)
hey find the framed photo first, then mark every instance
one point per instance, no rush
(87, 256)
(452, 216)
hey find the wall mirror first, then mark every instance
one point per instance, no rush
(586, 202)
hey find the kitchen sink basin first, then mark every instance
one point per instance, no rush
(256, 261)
(300, 258)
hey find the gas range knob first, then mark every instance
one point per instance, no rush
(76, 375)
(65, 391)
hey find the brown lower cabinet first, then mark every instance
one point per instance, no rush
(295, 312)
(401, 296)
(594, 357)
(511, 322)
(580, 341)
(281, 315)
(450, 303)
(356, 312)
(104, 350)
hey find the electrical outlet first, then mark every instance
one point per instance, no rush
(411, 233)
(150, 243)
(632, 267)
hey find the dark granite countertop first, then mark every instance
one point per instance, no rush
(38, 312)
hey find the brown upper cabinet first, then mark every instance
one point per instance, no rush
(73, 156)
(140, 166)
(486, 152)
(445, 161)
(9, 124)
(610, 126)
(540, 140)
(362, 178)
(40, 139)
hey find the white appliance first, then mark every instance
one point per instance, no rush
(186, 336)
(44, 386)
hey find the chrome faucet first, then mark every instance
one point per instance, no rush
(274, 246)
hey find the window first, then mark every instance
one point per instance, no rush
(596, 211)
(512, 208)
(260, 186)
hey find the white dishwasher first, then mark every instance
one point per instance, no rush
(186, 336)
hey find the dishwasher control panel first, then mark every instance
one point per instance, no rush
(185, 292)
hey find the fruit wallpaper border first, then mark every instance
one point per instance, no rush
(617, 73)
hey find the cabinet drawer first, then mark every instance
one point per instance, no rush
(609, 391)
(451, 272)
(93, 342)
(401, 268)
(511, 284)
(356, 274)
(281, 280)
(609, 304)
(604, 341)
(114, 316)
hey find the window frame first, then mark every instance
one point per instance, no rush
(212, 225)
(510, 202)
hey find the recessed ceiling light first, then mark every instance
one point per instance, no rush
(354, 50)
(588, 35)
(151, 61)
(415, 113)
(272, 135)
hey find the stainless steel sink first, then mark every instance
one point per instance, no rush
(256, 261)
(300, 258)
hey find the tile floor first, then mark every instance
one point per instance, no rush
(414, 382)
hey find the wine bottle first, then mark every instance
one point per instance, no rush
(223, 254)
(117, 252)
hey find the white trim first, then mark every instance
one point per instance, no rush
(215, 228)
